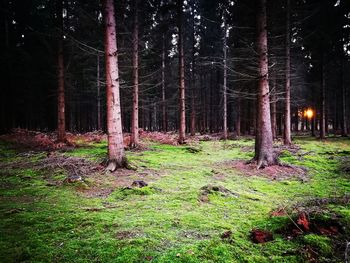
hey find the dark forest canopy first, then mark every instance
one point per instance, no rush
(319, 60)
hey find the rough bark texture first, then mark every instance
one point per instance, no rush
(61, 121)
(225, 81)
(116, 157)
(287, 122)
(264, 154)
(182, 124)
(134, 140)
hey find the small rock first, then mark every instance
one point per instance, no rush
(73, 179)
(139, 183)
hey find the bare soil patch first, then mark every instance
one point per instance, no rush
(274, 172)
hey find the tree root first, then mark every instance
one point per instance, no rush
(113, 165)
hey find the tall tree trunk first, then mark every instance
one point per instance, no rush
(134, 140)
(182, 124)
(274, 115)
(343, 95)
(61, 121)
(323, 100)
(287, 122)
(225, 80)
(164, 113)
(238, 119)
(193, 84)
(116, 156)
(264, 154)
(296, 120)
(99, 122)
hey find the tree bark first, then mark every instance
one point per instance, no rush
(287, 122)
(116, 156)
(182, 124)
(61, 121)
(264, 154)
(134, 140)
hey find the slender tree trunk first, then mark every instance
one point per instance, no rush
(61, 122)
(343, 95)
(193, 91)
(182, 124)
(164, 113)
(323, 101)
(238, 119)
(134, 140)
(296, 120)
(99, 124)
(264, 154)
(225, 80)
(116, 154)
(274, 115)
(287, 123)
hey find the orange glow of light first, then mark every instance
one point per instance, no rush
(309, 113)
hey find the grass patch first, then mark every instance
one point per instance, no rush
(165, 221)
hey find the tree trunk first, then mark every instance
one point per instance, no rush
(287, 123)
(296, 120)
(182, 124)
(116, 157)
(134, 140)
(238, 119)
(323, 101)
(193, 91)
(61, 122)
(264, 154)
(99, 122)
(344, 128)
(225, 80)
(274, 114)
(164, 113)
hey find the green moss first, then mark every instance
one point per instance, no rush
(165, 221)
(321, 243)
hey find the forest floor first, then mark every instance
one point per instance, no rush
(202, 203)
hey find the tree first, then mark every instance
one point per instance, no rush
(323, 98)
(264, 154)
(287, 122)
(61, 120)
(134, 141)
(116, 156)
(225, 74)
(182, 124)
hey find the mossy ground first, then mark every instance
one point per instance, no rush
(165, 222)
